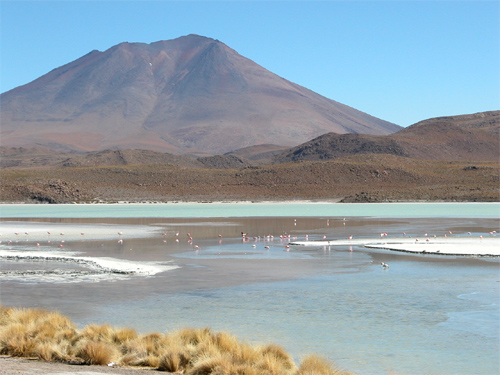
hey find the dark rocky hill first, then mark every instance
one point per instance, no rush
(259, 154)
(467, 137)
(223, 162)
(191, 94)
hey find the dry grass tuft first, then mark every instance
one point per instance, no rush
(317, 365)
(123, 335)
(96, 332)
(279, 354)
(51, 336)
(173, 362)
(98, 353)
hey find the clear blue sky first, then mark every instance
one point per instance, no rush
(402, 61)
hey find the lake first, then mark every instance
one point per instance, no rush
(425, 314)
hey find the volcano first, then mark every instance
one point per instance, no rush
(186, 95)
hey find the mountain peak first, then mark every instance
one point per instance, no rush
(189, 94)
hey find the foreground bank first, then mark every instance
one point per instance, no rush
(50, 336)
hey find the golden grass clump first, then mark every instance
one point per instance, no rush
(97, 332)
(123, 335)
(98, 352)
(173, 362)
(317, 365)
(51, 336)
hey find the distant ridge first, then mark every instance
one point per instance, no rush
(466, 137)
(190, 94)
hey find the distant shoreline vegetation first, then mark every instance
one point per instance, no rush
(50, 336)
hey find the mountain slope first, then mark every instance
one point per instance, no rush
(190, 94)
(466, 137)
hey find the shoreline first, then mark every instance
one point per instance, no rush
(245, 201)
(28, 366)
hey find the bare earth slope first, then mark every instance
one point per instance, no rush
(190, 94)
(360, 178)
(467, 137)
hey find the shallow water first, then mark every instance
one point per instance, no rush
(246, 209)
(425, 314)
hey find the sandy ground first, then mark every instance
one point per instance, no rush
(26, 366)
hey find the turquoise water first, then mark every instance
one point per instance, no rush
(373, 322)
(187, 210)
(423, 315)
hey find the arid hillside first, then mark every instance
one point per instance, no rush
(451, 159)
(468, 137)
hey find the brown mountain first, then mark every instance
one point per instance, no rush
(190, 94)
(467, 137)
